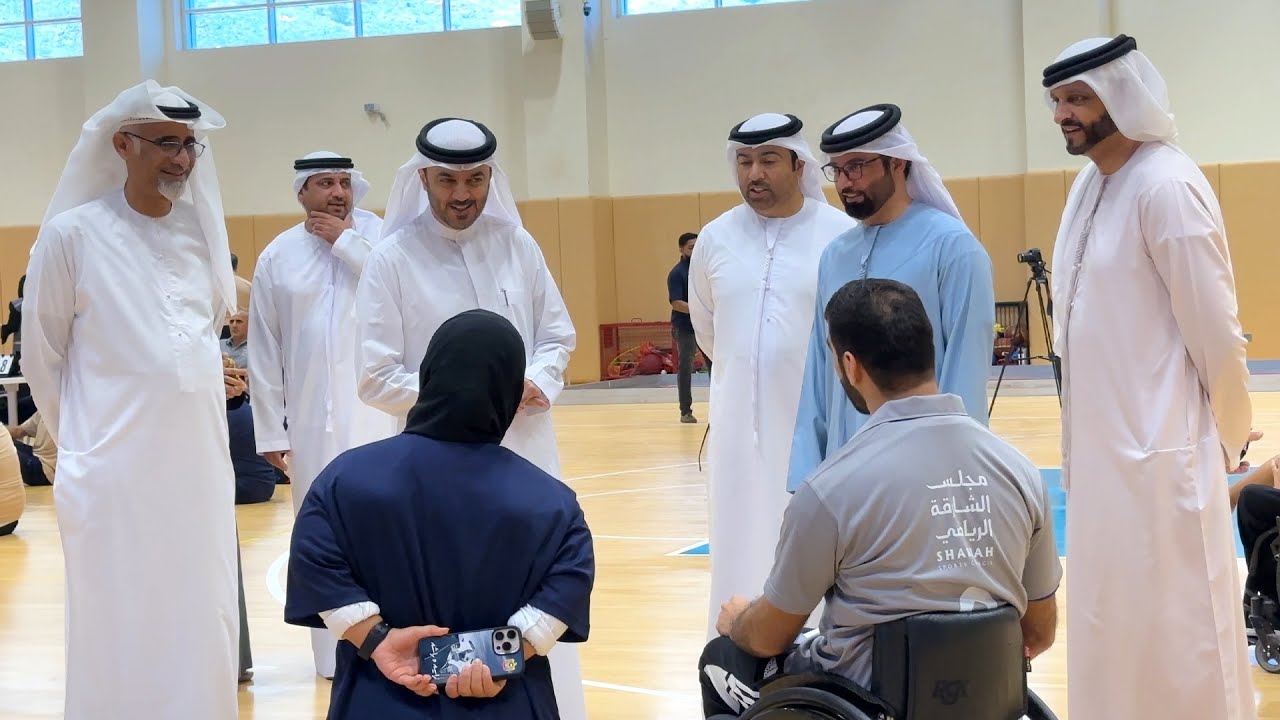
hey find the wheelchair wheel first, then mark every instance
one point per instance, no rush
(803, 703)
(1267, 653)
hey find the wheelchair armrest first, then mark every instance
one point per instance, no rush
(836, 685)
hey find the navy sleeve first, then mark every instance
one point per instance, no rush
(320, 576)
(677, 285)
(565, 592)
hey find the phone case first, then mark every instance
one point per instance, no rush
(501, 648)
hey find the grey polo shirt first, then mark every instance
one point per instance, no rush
(923, 510)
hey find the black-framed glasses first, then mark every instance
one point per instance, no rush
(172, 148)
(852, 170)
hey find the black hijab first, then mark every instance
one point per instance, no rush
(471, 380)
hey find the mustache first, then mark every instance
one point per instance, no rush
(1070, 125)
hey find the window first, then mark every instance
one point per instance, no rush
(40, 30)
(230, 23)
(644, 7)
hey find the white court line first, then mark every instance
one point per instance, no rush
(636, 690)
(687, 548)
(273, 577)
(628, 472)
(640, 537)
(636, 490)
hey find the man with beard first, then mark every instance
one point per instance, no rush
(129, 282)
(910, 231)
(303, 354)
(453, 241)
(751, 288)
(924, 510)
(1148, 436)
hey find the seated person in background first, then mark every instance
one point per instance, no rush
(1257, 503)
(923, 510)
(39, 459)
(441, 529)
(234, 345)
(256, 479)
(13, 496)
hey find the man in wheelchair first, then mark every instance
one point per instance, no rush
(923, 511)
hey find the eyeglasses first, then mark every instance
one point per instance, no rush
(853, 170)
(172, 148)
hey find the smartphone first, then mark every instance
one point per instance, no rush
(501, 648)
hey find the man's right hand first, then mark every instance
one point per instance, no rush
(277, 459)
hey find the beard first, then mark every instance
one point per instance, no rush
(876, 195)
(855, 397)
(1093, 133)
(172, 190)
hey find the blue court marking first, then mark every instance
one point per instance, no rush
(1057, 498)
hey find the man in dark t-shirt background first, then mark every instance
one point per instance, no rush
(682, 326)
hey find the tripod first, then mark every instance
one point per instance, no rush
(1039, 278)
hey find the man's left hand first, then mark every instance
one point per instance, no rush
(729, 613)
(533, 398)
(328, 227)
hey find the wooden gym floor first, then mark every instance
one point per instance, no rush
(635, 469)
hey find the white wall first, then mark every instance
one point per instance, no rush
(641, 105)
(43, 111)
(678, 83)
(284, 101)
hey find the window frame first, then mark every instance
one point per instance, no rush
(719, 4)
(29, 23)
(187, 16)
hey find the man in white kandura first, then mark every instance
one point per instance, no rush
(129, 283)
(303, 325)
(454, 241)
(1149, 432)
(752, 281)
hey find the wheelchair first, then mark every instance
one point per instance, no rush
(1263, 614)
(931, 666)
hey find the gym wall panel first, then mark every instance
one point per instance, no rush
(644, 231)
(1212, 173)
(542, 220)
(605, 259)
(1248, 193)
(712, 206)
(964, 191)
(1002, 233)
(15, 251)
(578, 284)
(240, 238)
(1044, 196)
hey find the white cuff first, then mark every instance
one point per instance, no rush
(341, 620)
(540, 629)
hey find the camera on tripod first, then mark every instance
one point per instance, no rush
(1035, 261)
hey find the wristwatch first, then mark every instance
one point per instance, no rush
(373, 640)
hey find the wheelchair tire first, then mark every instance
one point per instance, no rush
(803, 703)
(1267, 653)
(1036, 708)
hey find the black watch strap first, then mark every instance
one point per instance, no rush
(373, 640)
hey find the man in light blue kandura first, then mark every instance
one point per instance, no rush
(910, 231)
